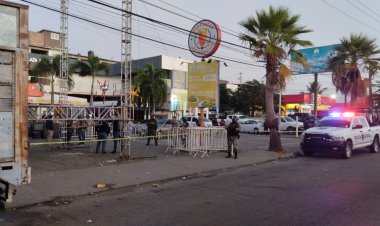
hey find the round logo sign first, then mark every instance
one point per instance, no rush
(204, 38)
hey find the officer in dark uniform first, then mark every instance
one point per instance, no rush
(152, 130)
(233, 130)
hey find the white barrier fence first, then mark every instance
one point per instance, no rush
(197, 141)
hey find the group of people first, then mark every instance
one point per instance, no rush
(103, 130)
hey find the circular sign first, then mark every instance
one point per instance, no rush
(204, 38)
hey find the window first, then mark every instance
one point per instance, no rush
(54, 36)
(355, 122)
(9, 26)
(363, 122)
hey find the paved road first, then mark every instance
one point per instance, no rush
(322, 190)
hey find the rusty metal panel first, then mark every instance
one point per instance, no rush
(6, 135)
(6, 57)
(6, 74)
(6, 105)
(14, 73)
(5, 92)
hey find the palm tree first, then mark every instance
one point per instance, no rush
(51, 68)
(354, 54)
(273, 35)
(90, 67)
(315, 87)
(153, 87)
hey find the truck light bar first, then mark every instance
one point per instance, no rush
(344, 114)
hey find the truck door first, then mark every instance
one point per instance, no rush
(14, 44)
(357, 132)
(367, 133)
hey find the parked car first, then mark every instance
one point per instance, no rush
(289, 124)
(194, 121)
(230, 117)
(252, 126)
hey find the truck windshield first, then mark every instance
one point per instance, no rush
(334, 123)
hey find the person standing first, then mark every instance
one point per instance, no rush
(70, 130)
(116, 131)
(152, 130)
(174, 122)
(103, 130)
(50, 129)
(233, 130)
(222, 122)
(82, 131)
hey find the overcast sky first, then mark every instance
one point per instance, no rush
(329, 20)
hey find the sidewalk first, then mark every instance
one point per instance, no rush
(61, 173)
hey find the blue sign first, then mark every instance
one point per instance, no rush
(317, 58)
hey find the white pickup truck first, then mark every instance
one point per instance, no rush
(340, 133)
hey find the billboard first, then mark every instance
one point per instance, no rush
(178, 99)
(317, 58)
(203, 80)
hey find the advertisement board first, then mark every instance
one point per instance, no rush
(203, 80)
(316, 57)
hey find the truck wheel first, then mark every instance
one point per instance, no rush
(347, 151)
(375, 145)
(256, 131)
(307, 152)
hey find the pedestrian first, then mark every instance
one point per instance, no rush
(82, 126)
(184, 126)
(222, 123)
(307, 122)
(233, 130)
(174, 122)
(214, 121)
(152, 130)
(116, 132)
(103, 130)
(50, 129)
(130, 128)
(70, 130)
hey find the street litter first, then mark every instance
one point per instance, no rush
(155, 185)
(100, 185)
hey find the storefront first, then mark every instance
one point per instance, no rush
(304, 103)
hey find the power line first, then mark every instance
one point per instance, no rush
(346, 14)
(139, 36)
(188, 18)
(160, 22)
(363, 11)
(377, 14)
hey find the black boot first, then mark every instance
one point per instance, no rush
(229, 155)
(235, 154)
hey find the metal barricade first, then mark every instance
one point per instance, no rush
(197, 141)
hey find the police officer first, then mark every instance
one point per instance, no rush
(233, 130)
(152, 130)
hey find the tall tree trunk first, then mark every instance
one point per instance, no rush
(274, 139)
(370, 91)
(92, 89)
(52, 89)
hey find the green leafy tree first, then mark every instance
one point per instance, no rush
(315, 87)
(249, 97)
(225, 97)
(49, 69)
(354, 54)
(90, 68)
(272, 35)
(153, 87)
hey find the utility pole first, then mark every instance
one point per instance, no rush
(315, 96)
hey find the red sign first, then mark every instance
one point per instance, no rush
(35, 90)
(204, 38)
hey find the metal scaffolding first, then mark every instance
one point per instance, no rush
(126, 75)
(63, 111)
(63, 72)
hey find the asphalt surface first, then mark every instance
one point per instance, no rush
(322, 190)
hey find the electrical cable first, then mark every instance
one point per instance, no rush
(142, 37)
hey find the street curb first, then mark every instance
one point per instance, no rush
(191, 176)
